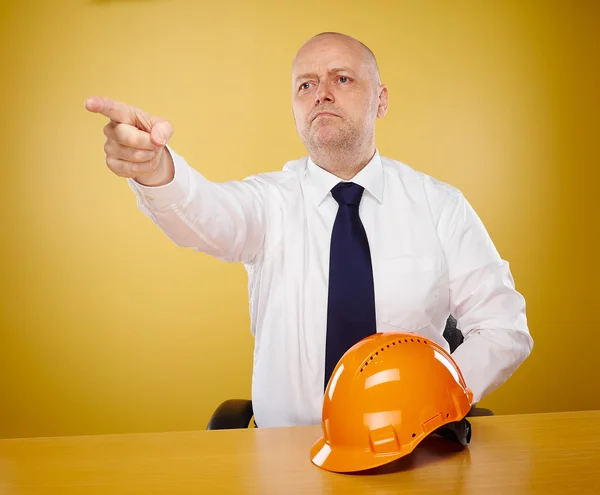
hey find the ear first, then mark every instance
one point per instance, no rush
(383, 101)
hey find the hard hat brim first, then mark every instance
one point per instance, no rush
(341, 460)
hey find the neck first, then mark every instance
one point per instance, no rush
(344, 163)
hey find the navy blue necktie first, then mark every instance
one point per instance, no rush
(351, 303)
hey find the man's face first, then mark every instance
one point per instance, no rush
(335, 93)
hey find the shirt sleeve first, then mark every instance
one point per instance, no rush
(226, 220)
(490, 312)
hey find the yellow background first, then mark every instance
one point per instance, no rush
(106, 326)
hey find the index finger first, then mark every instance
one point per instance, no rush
(116, 111)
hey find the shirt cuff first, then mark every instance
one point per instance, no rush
(162, 197)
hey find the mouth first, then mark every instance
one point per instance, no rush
(325, 114)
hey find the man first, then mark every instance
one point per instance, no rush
(338, 245)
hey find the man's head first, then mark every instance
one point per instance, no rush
(337, 76)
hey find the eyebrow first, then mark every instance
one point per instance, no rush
(330, 71)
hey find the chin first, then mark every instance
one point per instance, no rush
(324, 137)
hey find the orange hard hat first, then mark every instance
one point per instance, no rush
(386, 394)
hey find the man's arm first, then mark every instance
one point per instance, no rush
(225, 220)
(490, 312)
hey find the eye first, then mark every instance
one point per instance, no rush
(344, 79)
(304, 85)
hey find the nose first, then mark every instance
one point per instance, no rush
(323, 94)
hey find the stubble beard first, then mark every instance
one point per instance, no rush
(342, 140)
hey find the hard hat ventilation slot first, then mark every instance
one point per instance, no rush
(388, 345)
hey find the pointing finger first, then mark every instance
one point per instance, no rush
(118, 112)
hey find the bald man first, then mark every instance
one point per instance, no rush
(340, 244)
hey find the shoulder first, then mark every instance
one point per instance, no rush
(288, 178)
(419, 184)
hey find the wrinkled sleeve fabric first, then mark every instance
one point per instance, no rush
(490, 312)
(225, 220)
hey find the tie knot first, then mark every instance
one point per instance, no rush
(347, 193)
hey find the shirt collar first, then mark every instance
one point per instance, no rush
(321, 181)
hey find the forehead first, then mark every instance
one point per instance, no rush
(327, 52)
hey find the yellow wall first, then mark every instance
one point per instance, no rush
(105, 326)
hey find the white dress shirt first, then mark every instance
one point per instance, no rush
(431, 257)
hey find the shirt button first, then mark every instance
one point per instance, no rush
(149, 197)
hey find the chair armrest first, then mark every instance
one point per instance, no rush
(231, 414)
(479, 411)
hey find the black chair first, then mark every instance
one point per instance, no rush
(237, 413)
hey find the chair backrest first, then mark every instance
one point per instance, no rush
(452, 334)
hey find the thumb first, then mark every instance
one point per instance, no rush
(161, 132)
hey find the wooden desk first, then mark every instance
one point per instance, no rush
(522, 454)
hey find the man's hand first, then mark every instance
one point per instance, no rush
(135, 142)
